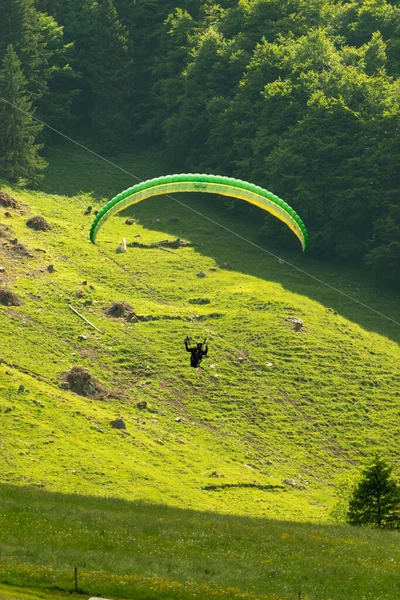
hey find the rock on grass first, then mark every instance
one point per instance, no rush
(118, 424)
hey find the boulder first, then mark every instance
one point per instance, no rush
(118, 424)
(298, 323)
(290, 482)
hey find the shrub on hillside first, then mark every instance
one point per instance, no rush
(38, 223)
(80, 381)
(7, 201)
(9, 298)
(119, 309)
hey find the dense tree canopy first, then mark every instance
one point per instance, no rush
(301, 96)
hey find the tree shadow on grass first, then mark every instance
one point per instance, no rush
(124, 546)
(73, 170)
(311, 278)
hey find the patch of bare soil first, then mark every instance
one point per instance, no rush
(7, 201)
(9, 298)
(80, 381)
(19, 249)
(4, 231)
(38, 224)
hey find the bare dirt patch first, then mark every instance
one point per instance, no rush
(4, 231)
(19, 250)
(81, 382)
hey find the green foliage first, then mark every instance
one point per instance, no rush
(109, 74)
(19, 151)
(301, 96)
(38, 41)
(300, 112)
(376, 498)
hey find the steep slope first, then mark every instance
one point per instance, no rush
(276, 418)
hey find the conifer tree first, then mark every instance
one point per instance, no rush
(38, 41)
(109, 69)
(376, 498)
(22, 28)
(19, 152)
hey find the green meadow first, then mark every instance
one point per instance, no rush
(136, 550)
(226, 484)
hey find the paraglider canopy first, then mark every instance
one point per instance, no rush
(211, 184)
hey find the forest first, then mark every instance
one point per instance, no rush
(301, 97)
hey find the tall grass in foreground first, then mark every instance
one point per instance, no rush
(134, 550)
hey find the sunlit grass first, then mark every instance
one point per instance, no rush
(271, 406)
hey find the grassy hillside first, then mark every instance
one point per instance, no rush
(271, 426)
(270, 405)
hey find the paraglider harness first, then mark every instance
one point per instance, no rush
(197, 352)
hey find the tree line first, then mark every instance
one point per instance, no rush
(300, 96)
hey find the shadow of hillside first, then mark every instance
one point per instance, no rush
(56, 505)
(132, 549)
(72, 171)
(298, 273)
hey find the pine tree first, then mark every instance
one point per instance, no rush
(19, 152)
(38, 41)
(22, 27)
(376, 498)
(109, 68)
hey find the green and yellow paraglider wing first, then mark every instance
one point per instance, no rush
(211, 184)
